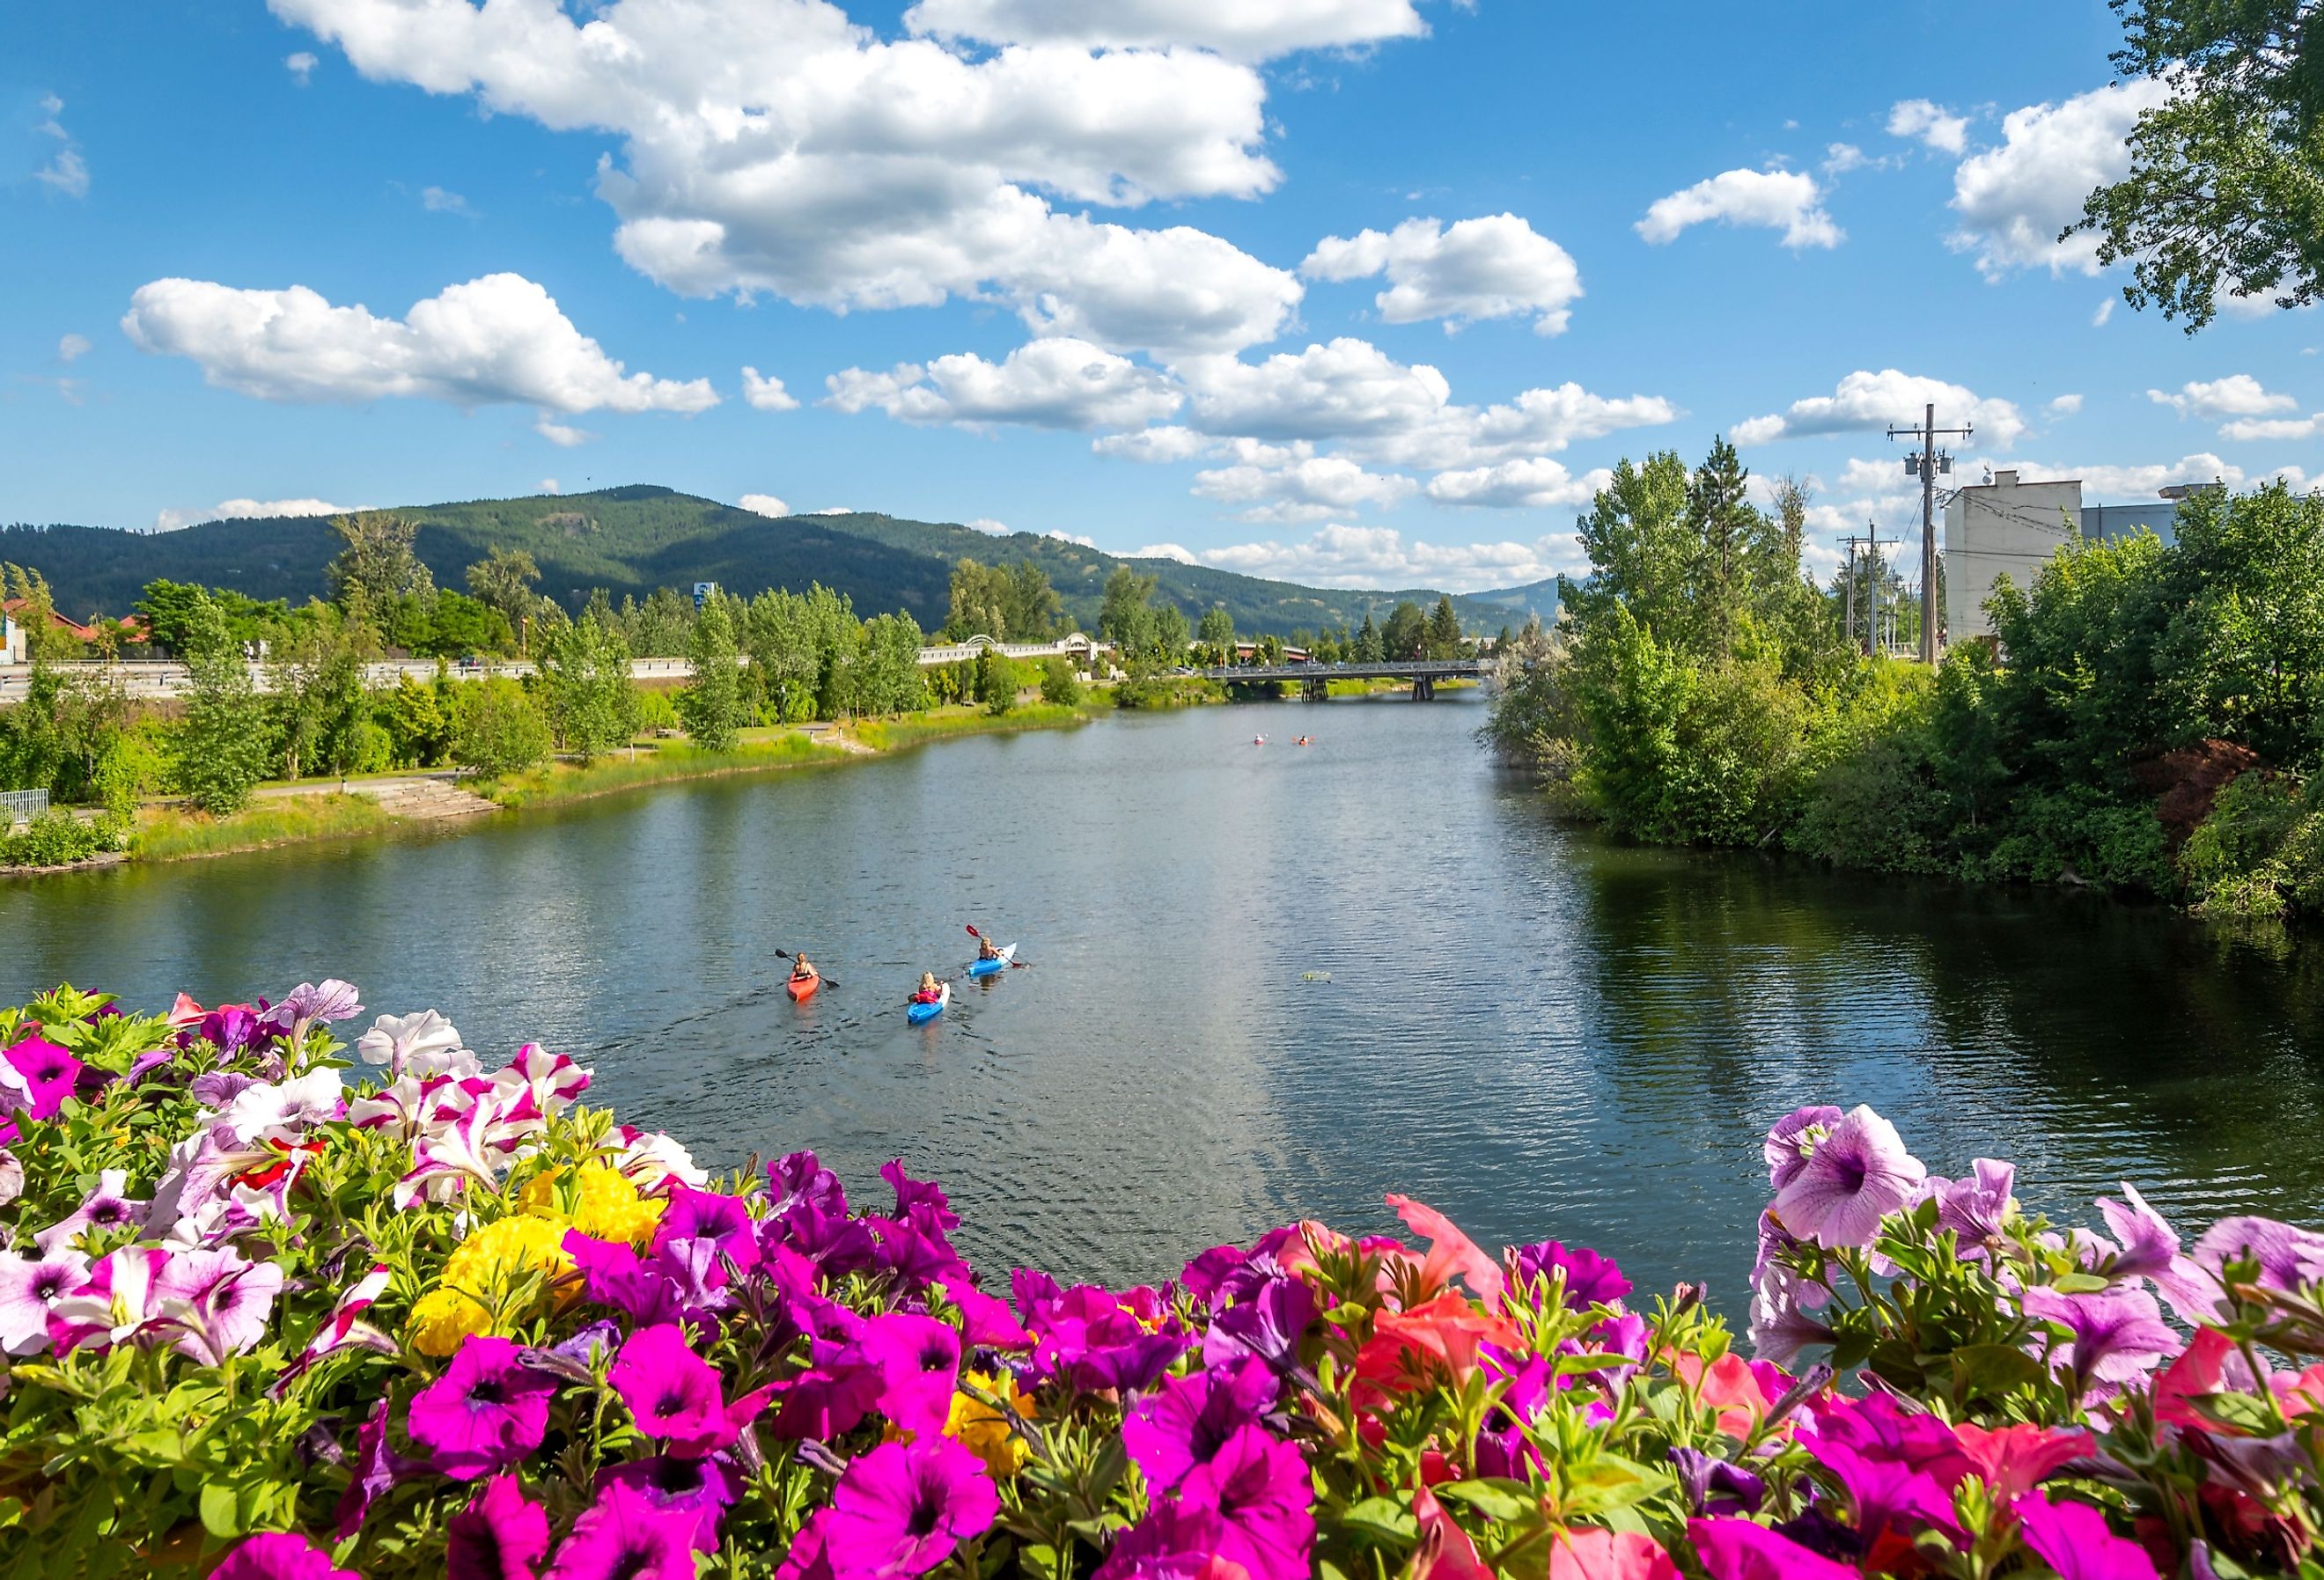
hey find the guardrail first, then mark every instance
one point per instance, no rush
(22, 806)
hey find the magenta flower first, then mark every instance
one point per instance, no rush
(703, 1214)
(30, 1291)
(924, 1194)
(918, 1362)
(623, 1537)
(1183, 1423)
(1739, 1549)
(612, 1274)
(915, 1249)
(838, 1245)
(2073, 1540)
(985, 1320)
(279, 1556)
(705, 1488)
(36, 1077)
(1855, 1176)
(2114, 1339)
(106, 1208)
(117, 1305)
(1790, 1139)
(499, 1535)
(1173, 1542)
(486, 1412)
(1090, 1338)
(1590, 1280)
(675, 1394)
(798, 1177)
(1270, 1324)
(343, 1328)
(901, 1508)
(1264, 1496)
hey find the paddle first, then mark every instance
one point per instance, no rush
(827, 981)
(1013, 964)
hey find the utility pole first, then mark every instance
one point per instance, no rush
(1927, 464)
(1848, 625)
(1870, 543)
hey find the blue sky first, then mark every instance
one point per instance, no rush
(1362, 291)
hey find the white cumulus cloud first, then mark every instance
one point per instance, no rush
(2141, 482)
(497, 338)
(2236, 395)
(1302, 488)
(1925, 121)
(1535, 483)
(2063, 405)
(1177, 551)
(1055, 383)
(1152, 445)
(1382, 558)
(1875, 400)
(776, 147)
(767, 394)
(2015, 199)
(988, 526)
(1495, 267)
(1777, 199)
(71, 346)
(302, 66)
(1243, 30)
(563, 435)
(765, 505)
(249, 510)
(2244, 430)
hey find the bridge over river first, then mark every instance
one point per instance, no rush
(1314, 680)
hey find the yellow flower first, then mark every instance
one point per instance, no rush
(483, 1273)
(600, 1202)
(984, 1431)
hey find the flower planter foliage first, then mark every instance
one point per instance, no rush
(271, 1311)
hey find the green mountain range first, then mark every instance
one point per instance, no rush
(632, 539)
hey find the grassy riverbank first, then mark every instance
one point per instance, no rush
(170, 834)
(946, 724)
(660, 763)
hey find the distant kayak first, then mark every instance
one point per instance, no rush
(802, 988)
(920, 1014)
(997, 963)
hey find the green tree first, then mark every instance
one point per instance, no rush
(1126, 616)
(1443, 630)
(500, 730)
(1167, 633)
(1033, 605)
(504, 581)
(1640, 554)
(2243, 657)
(980, 602)
(712, 706)
(586, 690)
(43, 637)
(1370, 650)
(784, 663)
(376, 571)
(419, 735)
(996, 682)
(890, 677)
(1405, 637)
(1217, 633)
(2225, 195)
(838, 641)
(1060, 686)
(221, 744)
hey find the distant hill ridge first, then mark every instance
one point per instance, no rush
(635, 539)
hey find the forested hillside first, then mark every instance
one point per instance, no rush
(633, 539)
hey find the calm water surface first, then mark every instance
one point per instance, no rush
(1541, 1032)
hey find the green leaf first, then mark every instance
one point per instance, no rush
(1493, 1500)
(221, 1515)
(1992, 1370)
(2080, 1284)
(1386, 1518)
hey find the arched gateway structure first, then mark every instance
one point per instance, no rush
(1080, 648)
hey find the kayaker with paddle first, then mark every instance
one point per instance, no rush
(929, 992)
(985, 950)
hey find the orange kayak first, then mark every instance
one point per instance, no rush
(802, 988)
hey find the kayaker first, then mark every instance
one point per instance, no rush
(984, 949)
(929, 992)
(802, 968)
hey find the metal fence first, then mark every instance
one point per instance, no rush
(22, 805)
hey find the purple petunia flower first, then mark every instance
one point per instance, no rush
(499, 1535)
(2284, 1253)
(1173, 1542)
(676, 1395)
(29, 1292)
(1183, 1424)
(230, 1028)
(705, 1488)
(278, 1555)
(925, 1194)
(986, 1320)
(2117, 1337)
(486, 1412)
(1270, 1324)
(217, 1302)
(377, 1468)
(2073, 1540)
(1264, 1496)
(901, 1508)
(1714, 1486)
(612, 1274)
(1591, 1279)
(1978, 1208)
(798, 1177)
(1790, 1139)
(1781, 1327)
(1856, 1175)
(2150, 1250)
(625, 1537)
(1092, 1338)
(838, 1245)
(705, 1214)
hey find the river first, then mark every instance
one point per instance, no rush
(1263, 982)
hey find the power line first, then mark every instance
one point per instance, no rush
(1927, 462)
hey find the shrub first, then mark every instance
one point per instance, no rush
(1059, 685)
(500, 731)
(54, 839)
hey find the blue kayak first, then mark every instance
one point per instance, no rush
(919, 1014)
(997, 963)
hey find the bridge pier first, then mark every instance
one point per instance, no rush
(1315, 688)
(1424, 688)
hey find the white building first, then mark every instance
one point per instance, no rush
(12, 642)
(2009, 528)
